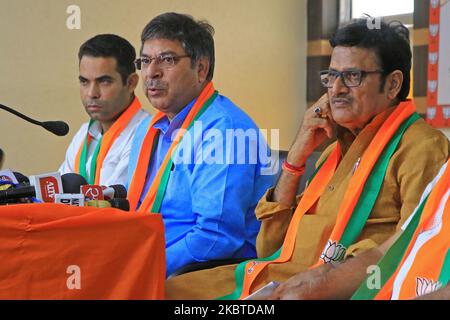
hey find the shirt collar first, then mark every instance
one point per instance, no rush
(166, 126)
(95, 130)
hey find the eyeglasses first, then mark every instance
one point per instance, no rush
(163, 61)
(350, 78)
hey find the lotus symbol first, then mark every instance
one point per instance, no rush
(446, 112)
(433, 57)
(426, 286)
(431, 113)
(333, 252)
(432, 86)
(434, 28)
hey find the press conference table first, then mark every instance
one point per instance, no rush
(52, 251)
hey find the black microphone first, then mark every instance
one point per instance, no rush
(23, 182)
(116, 191)
(2, 156)
(25, 191)
(59, 128)
(117, 203)
(122, 204)
(22, 179)
(71, 183)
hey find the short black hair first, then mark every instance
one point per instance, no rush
(111, 46)
(389, 41)
(196, 37)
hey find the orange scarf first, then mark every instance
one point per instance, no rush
(422, 271)
(138, 181)
(108, 138)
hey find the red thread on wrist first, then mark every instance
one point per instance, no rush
(294, 170)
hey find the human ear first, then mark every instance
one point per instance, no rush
(132, 81)
(202, 69)
(394, 82)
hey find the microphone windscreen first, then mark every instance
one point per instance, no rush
(121, 204)
(21, 178)
(72, 182)
(60, 128)
(119, 191)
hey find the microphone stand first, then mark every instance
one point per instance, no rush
(2, 156)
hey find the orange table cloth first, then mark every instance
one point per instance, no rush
(51, 251)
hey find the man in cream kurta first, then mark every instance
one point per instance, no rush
(363, 90)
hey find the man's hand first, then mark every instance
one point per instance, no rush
(315, 129)
(308, 285)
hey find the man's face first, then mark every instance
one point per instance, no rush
(170, 89)
(354, 107)
(102, 91)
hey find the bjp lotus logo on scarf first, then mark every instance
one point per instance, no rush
(333, 252)
(426, 286)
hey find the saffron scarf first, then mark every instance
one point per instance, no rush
(409, 273)
(103, 145)
(153, 199)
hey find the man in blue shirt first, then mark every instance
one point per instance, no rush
(201, 161)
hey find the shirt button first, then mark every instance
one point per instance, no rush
(330, 188)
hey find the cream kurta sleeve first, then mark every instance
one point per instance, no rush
(275, 219)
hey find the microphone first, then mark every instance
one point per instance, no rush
(8, 176)
(8, 180)
(2, 157)
(72, 182)
(117, 203)
(75, 183)
(21, 179)
(94, 192)
(76, 200)
(44, 187)
(59, 128)
(12, 180)
(47, 185)
(116, 191)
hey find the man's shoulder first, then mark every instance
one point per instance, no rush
(140, 117)
(422, 131)
(422, 145)
(82, 131)
(225, 112)
(143, 114)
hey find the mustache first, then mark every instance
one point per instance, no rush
(90, 103)
(341, 98)
(155, 84)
